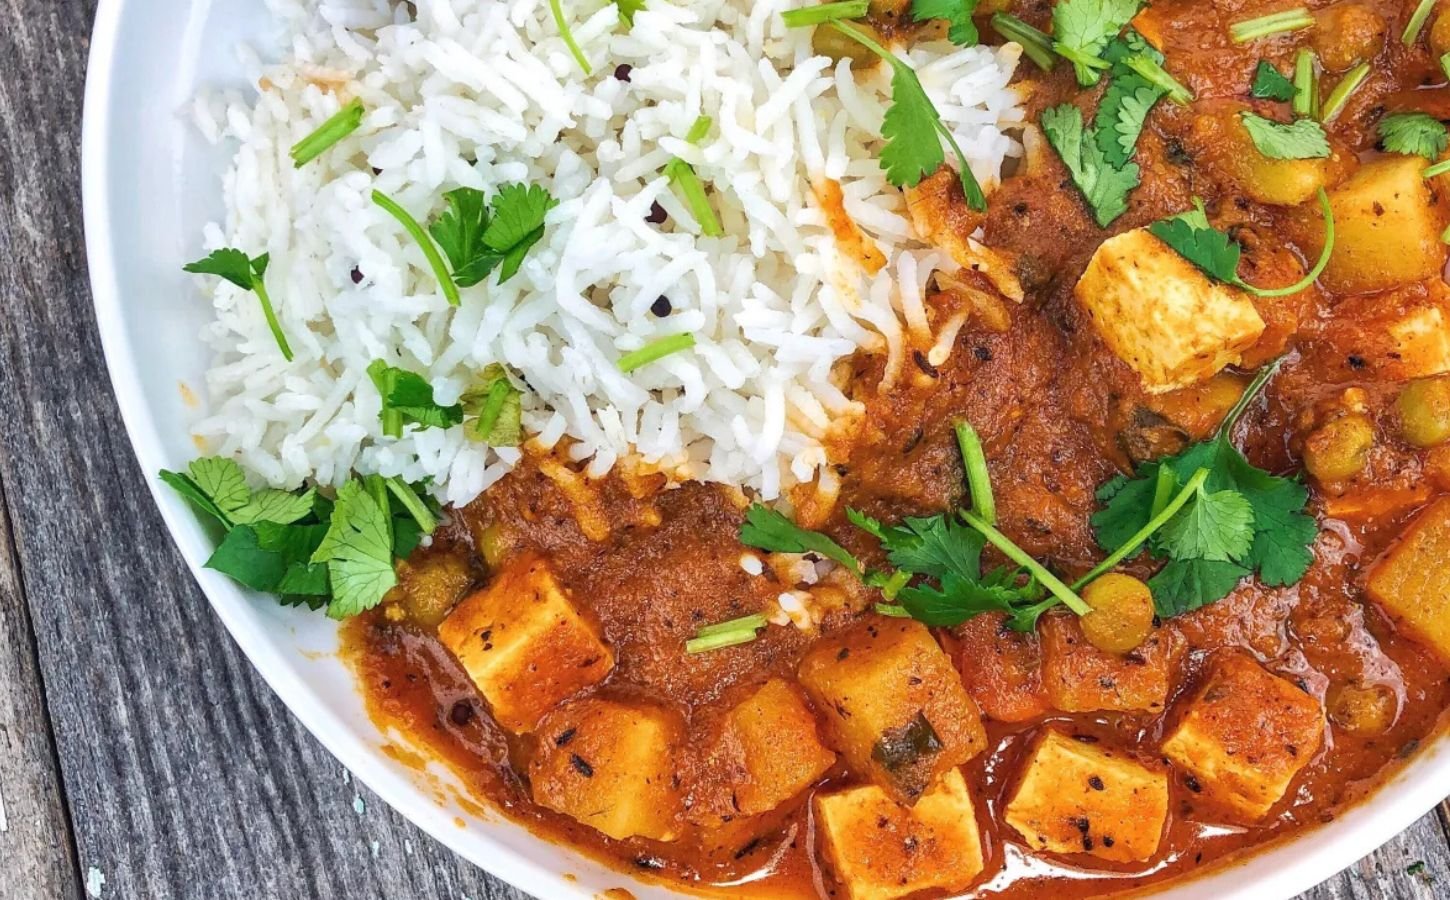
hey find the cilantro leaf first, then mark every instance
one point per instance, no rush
(517, 224)
(274, 506)
(913, 150)
(769, 530)
(496, 409)
(958, 599)
(1125, 107)
(408, 398)
(458, 231)
(1201, 244)
(246, 273)
(183, 485)
(627, 9)
(1185, 585)
(1300, 139)
(1105, 187)
(222, 480)
(1216, 526)
(358, 551)
(1271, 84)
(958, 13)
(1083, 28)
(241, 558)
(934, 547)
(1414, 134)
(1127, 506)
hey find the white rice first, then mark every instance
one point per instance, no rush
(773, 304)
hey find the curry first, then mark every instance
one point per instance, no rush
(538, 645)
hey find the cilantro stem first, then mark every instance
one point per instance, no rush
(1417, 22)
(655, 351)
(1163, 490)
(425, 243)
(270, 314)
(377, 488)
(1158, 521)
(1251, 391)
(1272, 24)
(1445, 64)
(1334, 103)
(682, 175)
(825, 12)
(341, 124)
(979, 482)
(1313, 274)
(1086, 65)
(1306, 84)
(1036, 44)
(1439, 168)
(1158, 76)
(557, 8)
(898, 580)
(892, 610)
(726, 634)
(971, 188)
(416, 508)
(698, 129)
(493, 403)
(1034, 568)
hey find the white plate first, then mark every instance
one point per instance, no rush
(149, 185)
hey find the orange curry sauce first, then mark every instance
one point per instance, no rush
(1058, 414)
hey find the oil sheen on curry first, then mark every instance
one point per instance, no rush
(1150, 570)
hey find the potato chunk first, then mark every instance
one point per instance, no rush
(1079, 677)
(1162, 316)
(1395, 335)
(767, 752)
(1411, 582)
(1245, 735)
(894, 703)
(523, 644)
(880, 849)
(611, 766)
(1001, 668)
(1280, 182)
(1079, 797)
(1387, 221)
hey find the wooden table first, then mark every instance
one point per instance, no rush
(140, 755)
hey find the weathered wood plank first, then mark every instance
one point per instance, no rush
(35, 839)
(1416, 864)
(184, 776)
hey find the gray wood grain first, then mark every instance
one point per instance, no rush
(179, 774)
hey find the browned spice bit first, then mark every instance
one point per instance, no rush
(1192, 784)
(662, 306)
(1082, 824)
(649, 862)
(461, 713)
(1108, 841)
(657, 214)
(564, 737)
(845, 652)
(581, 765)
(357, 275)
(621, 72)
(924, 364)
(1096, 783)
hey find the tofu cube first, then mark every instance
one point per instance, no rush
(880, 850)
(524, 645)
(1244, 736)
(893, 703)
(1079, 677)
(611, 766)
(767, 752)
(1077, 797)
(1387, 223)
(1411, 582)
(1162, 316)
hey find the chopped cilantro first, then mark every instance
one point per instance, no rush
(407, 398)
(1152, 71)
(478, 237)
(425, 244)
(1234, 520)
(1037, 44)
(957, 13)
(1417, 21)
(768, 530)
(726, 634)
(682, 175)
(1082, 29)
(822, 13)
(1217, 255)
(246, 273)
(1414, 134)
(343, 123)
(1104, 186)
(1270, 83)
(913, 128)
(627, 9)
(1306, 84)
(1300, 139)
(495, 408)
(1270, 25)
(654, 351)
(358, 551)
(1338, 97)
(556, 7)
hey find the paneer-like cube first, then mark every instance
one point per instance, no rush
(1162, 316)
(524, 645)
(1245, 735)
(1077, 797)
(767, 752)
(880, 849)
(612, 766)
(1387, 224)
(1079, 677)
(894, 703)
(1395, 335)
(1411, 582)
